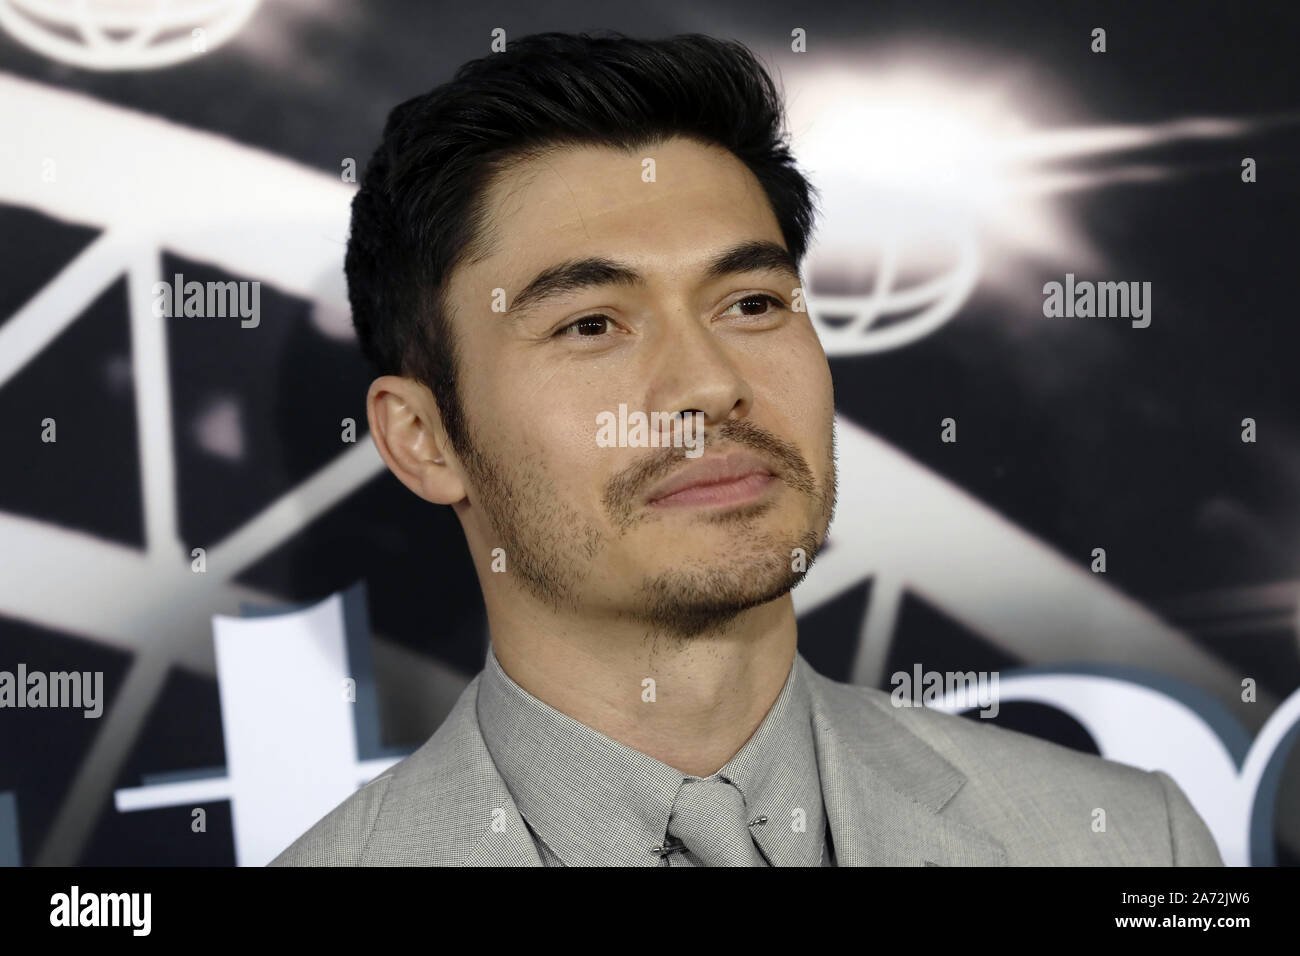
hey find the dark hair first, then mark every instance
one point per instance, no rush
(421, 209)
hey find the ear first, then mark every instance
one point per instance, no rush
(407, 431)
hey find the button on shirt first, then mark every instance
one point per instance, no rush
(589, 800)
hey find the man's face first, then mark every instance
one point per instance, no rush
(584, 526)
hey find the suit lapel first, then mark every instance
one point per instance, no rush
(884, 788)
(447, 805)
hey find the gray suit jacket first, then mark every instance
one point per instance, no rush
(902, 787)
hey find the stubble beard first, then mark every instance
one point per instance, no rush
(550, 547)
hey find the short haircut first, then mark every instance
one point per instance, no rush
(421, 209)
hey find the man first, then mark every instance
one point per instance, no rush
(585, 230)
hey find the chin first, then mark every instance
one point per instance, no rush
(691, 600)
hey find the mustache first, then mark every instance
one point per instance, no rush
(624, 488)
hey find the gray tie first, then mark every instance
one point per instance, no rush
(709, 817)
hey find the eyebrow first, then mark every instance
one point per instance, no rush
(575, 275)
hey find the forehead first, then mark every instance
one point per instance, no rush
(595, 200)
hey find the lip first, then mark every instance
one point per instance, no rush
(731, 478)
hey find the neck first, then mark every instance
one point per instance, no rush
(691, 703)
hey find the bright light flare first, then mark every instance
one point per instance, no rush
(932, 183)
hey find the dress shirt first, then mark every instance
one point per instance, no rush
(589, 800)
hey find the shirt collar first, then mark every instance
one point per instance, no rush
(776, 772)
(596, 802)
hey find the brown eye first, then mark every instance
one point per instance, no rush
(749, 305)
(587, 326)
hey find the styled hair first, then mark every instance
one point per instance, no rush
(422, 209)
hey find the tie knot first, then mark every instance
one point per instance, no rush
(709, 817)
(710, 795)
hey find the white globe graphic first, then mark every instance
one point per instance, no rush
(123, 34)
(923, 263)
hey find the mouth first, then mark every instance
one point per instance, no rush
(721, 481)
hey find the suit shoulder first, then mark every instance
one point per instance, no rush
(1040, 798)
(339, 838)
(972, 743)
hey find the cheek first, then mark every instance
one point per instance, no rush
(562, 439)
(545, 424)
(796, 380)
(811, 367)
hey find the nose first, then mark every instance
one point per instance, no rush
(695, 372)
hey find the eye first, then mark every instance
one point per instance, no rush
(760, 298)
(589, 326)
